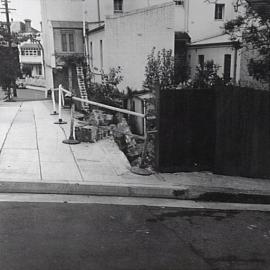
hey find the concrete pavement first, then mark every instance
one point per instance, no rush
(33, 159)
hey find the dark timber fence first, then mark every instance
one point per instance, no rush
(226, 130)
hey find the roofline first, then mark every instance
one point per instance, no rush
(219, 35)
(140, 10)
(98, 29)
(214, 44)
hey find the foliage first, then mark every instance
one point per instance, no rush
(73, 59)
(114, 77)
(159, 70)
(9, 59)
(253, 29)
(107, 92)
(206, 75)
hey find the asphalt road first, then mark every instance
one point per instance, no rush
(26, 95)
(63, 236)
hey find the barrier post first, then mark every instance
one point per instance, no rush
(71, 139)
(60, 120)
(53, 101)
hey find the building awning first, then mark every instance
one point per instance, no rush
(30, 46)
(67, 24)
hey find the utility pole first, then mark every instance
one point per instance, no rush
(9, 39)
(7, 10)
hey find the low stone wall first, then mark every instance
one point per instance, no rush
(39, 82)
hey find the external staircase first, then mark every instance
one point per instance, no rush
(82, 88)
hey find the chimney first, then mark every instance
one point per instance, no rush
(28, 28)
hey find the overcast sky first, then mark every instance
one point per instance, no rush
(25, 9)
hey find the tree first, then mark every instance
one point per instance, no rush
(9, 59)
(252, 28)
(206, 76)
(159, 70)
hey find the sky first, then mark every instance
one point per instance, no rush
(25, 9)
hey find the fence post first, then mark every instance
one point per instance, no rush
(60, 120)
(157, 139)
(139, 170)
(71, 139)
(53, 101)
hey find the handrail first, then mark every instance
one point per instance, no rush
(102, 105)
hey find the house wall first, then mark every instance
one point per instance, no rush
(36, 69)
(201, 23)
(62, 10)
(107, 7)
(95, 55)
(78, 41)
(58, 10)
(48, 42)
(129, 39)
(215, 53)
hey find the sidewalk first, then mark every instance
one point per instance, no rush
(33, 159)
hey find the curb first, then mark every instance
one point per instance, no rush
(195, 193)
(117, 190)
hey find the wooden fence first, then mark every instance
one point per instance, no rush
(226, 130)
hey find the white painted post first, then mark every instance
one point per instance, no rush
(60, 120)
(53, 101)
(63, 97)
(60, 101)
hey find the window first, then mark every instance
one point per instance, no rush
(219, 11)
(71, 42)
(39, 69)
(201, 60)
(101, 54)
(91, 53)
(67, 40)
(64, 42)
(118, 6)
(227, 67)
(179, 3)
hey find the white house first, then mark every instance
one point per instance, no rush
(128, 35)
(123, 32)
(31, 58)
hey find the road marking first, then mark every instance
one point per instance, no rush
(84, 199)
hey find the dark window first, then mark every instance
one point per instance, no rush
(68, 43)
(219, 11)
(91, 53)
(64, 42)
(201, 60)
(39, 70)
(227, 67)
(71, 42)
(179, 3)
(118, 5)
(101, 54)
(39, 52)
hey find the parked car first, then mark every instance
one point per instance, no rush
(20, 83)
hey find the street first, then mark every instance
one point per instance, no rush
(49, 235)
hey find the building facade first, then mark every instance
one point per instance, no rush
(127, 37)
(112, 33)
